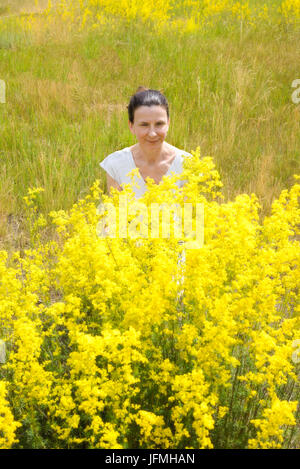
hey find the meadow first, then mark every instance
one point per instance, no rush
(67, 86)
(99, 350)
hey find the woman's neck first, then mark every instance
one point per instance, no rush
(151, 156)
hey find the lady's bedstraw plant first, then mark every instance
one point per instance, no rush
(100, 352)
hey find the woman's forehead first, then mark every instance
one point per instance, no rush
(145, 113)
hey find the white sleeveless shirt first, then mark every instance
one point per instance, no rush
(119, 164)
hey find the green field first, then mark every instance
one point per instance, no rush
(229, 88)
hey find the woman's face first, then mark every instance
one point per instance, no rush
(150, 126)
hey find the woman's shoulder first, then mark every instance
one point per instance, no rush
(117, 154)
(179, 151)
(183, 153)
(117, 158)
(116, 163)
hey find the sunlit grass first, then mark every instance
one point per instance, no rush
(229, 91)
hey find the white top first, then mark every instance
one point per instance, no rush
(121, 162)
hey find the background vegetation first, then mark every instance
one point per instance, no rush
(226, 68)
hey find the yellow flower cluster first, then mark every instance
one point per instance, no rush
(290, 9)
(270, 431)
(8, 425)
(102, 353)
(181, 16)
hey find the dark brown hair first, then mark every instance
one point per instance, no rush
(146, 97)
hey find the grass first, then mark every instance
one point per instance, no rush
(20, 6)
(66, 95)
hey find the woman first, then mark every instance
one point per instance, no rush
(149, 121)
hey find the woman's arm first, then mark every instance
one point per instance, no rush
(112, 183)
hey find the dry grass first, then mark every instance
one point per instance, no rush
(73, 96)
(265, 185)
(10, 7)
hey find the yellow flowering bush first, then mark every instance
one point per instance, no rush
(110, 345)
(8, 425)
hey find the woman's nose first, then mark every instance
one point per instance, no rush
(152, 132)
